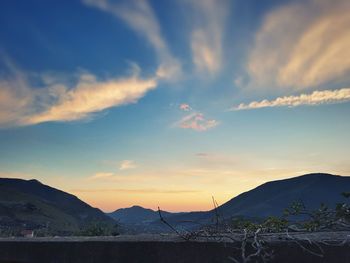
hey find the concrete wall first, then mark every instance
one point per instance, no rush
(153, 250)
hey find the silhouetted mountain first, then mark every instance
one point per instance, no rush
(272, 198)
(136, 215)
(137, 219)
(31, 204)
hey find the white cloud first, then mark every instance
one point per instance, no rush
(315, 98)
(196, 121)
(139, 16)
(22, 104)
(127, 165)
(302, 45)
(206, 39)
(15, 103)
(185, 107)
(16, 98)
(90, 95)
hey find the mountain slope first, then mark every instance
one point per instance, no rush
(137, 219)
(30, 204)
(136, 215)
(273, 197)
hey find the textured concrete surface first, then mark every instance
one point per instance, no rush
(333, 247)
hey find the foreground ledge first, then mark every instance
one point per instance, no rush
(296, 247)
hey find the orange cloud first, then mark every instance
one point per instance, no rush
(101, 176)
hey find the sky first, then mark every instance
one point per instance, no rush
(168, 103)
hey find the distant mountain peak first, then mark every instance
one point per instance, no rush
(311, 177)
(273, 197)
(136, 215)
(34, 181)
(319, 175)
(139, 207)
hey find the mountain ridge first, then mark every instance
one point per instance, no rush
(31, 204)
(30, 200)
(270, 199)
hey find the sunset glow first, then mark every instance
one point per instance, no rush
(171, 103)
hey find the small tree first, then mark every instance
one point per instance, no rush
(99, 229)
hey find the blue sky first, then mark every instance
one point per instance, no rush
(170, 102)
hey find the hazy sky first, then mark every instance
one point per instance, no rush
(170, 102)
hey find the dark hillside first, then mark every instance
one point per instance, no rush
(31, 204)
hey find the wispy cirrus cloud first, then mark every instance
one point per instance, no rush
(207, 36)
(101, 175)
(139, 16)
(90, 95)
(315, 98)
(311, 51)
(16, 98)
(127, 165)
(24, 104)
